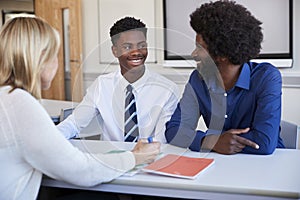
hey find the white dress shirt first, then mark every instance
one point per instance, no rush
(156, 99)
(31, 145)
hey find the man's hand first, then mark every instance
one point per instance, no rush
(229, 142)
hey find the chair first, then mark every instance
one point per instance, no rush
(290, 134)
(65, 112)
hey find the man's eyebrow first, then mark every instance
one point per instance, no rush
(126, 43)
(129, 43)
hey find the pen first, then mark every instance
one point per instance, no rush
(150, 139)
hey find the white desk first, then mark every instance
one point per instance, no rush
(54, 107)
(239, 176)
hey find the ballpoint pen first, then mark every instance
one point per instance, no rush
(150, 139)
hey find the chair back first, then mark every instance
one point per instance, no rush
(290, 134)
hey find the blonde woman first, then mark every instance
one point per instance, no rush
(30, 144)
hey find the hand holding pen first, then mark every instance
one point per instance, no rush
(145, 151)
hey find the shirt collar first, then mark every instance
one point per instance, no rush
(242, 82)
(244, 77)
(135, 85)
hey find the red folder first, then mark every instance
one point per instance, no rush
(179, 166)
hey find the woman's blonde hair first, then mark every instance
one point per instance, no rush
(26, 45)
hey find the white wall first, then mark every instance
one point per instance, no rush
(92, 67)
(16, 6)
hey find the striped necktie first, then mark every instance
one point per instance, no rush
(131, 131)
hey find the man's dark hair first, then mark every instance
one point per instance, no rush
(229, 30)
(126, 24)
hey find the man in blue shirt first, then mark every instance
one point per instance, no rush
(239, 100)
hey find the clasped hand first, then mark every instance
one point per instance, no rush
(229, 142)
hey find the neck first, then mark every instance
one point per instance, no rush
(229, 74)
(133, 75)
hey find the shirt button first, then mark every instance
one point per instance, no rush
(225, 94)
(226, 116)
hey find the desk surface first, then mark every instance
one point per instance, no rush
(237, 176)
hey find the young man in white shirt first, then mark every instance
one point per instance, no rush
(30, 144)
(156, 97)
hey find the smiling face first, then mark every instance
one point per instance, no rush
(200, 53)
(131, 51)
(201, 50)
(206, 64)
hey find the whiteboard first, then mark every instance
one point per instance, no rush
(275, 15)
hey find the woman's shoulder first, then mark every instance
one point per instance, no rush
(263, 67)
(22, 94)
(22, 98)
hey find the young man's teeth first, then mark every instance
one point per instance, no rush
(135, 61)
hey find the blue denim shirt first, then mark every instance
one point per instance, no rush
(254, 102)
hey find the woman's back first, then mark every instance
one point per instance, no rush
(31, 145)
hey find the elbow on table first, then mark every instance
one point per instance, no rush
(267, 148)
(85, 182)
(91, 182)
(267, 151)
(264, 149)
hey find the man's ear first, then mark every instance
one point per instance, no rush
(222, 59)
(114, 51)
